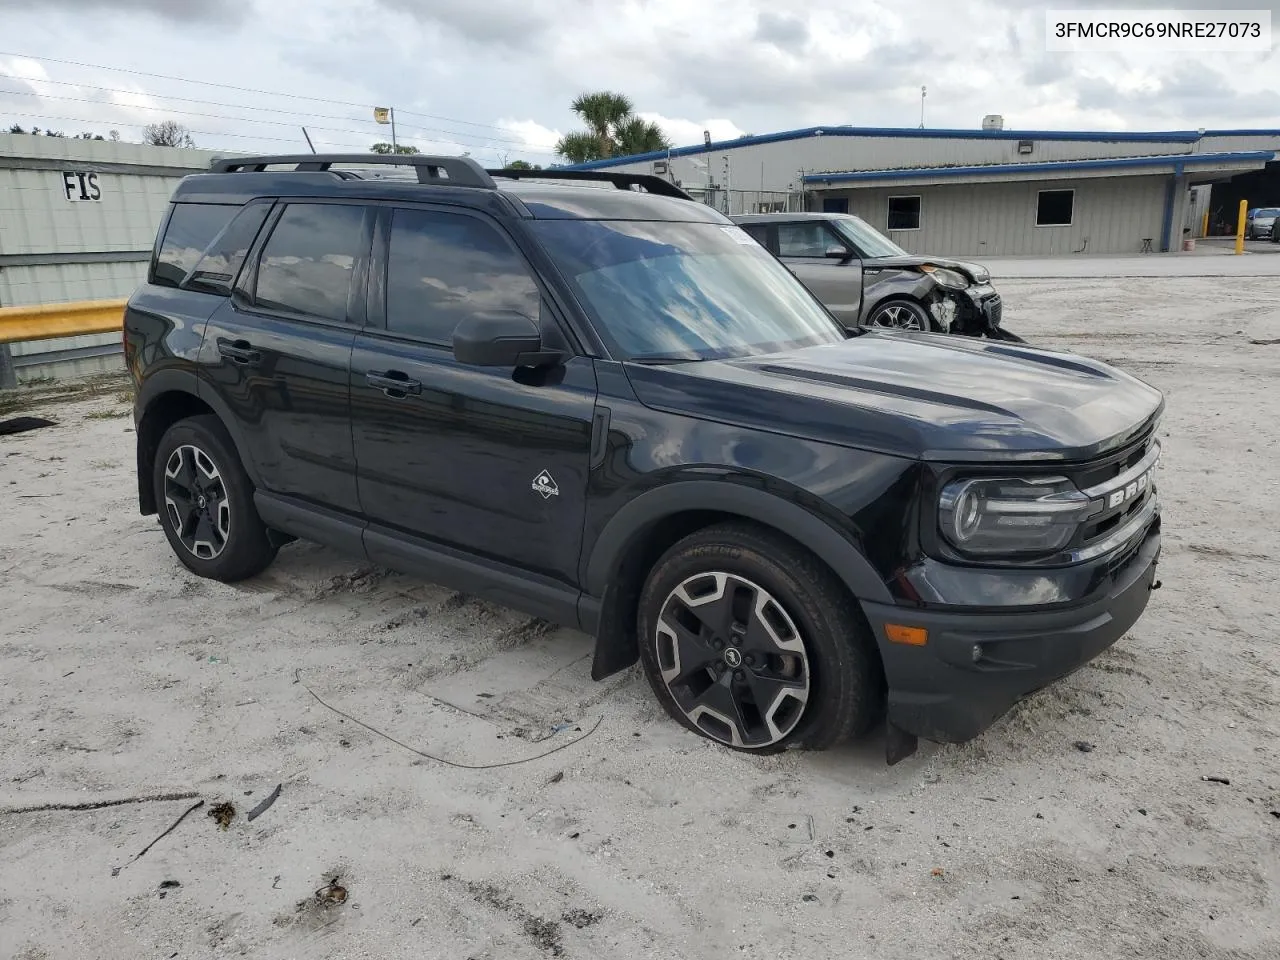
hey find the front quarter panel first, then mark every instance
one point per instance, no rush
(886, 283)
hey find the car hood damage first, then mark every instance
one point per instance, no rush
(923, 396)
(975, 272)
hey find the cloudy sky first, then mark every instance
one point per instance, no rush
(495, 77)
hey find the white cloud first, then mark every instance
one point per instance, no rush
(497, 80)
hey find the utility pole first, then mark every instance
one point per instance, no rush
(922, 95)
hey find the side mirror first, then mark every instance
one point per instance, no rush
(503, 339)
(836, 252)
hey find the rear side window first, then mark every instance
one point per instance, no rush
(443, 267)
(309, 260)
(192, 226)
(216, 270)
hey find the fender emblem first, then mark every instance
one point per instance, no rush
(546, 485)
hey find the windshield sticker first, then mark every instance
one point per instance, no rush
(739, 235)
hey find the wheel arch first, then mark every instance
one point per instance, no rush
(646, 526)
(163, 399)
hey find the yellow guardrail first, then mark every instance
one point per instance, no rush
(50, 320)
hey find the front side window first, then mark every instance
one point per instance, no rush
(662, 291)
(443, 267)
(192, 226)
(807, 238)
(310, 258)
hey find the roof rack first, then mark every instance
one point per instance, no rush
(444, 171)
(623, 181)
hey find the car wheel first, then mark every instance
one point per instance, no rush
(900, 315)
(205, 500)
(750, 641)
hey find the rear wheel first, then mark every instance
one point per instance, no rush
(205, 500)
(900, 315)
(750, 641)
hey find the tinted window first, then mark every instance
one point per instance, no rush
(217, 269)
(444, 266)
(661, 291)
(1053, 208)
(808, 238)
(759, 233)
(191, 227)
(904, 213)
(308, 262)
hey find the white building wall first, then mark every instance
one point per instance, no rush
(1113, 215)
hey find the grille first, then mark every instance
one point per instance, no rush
(1125, 477)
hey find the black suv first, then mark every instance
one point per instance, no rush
(604, 404)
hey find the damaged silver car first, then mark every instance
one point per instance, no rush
(866, 280)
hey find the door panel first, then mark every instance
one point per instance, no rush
(278, 352)
(802, 247)
(458, 460)
(490, 461)
(286, 382)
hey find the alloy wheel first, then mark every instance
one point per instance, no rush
(897, 316)
(195, 497)
(733, 660)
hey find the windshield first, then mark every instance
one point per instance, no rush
(866, 239)
(667, 291)
(1268, 212)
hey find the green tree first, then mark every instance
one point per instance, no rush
(522, 165)
(640, 136)
(399, 148)
(612, 129)
(167, 133)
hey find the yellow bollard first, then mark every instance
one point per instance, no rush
(1244, 214)
(1204, 225)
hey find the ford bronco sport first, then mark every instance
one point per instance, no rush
(593, 399)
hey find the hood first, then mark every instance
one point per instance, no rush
(922, 396)
(976, 272)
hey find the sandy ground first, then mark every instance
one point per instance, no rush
(121, 676)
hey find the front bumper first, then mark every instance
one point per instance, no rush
(976, 666)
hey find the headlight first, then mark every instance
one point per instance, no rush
(946, 278)
(1003, 516)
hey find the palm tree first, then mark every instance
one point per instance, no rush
(612, 129)
(639, 136)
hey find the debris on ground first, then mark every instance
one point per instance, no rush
(1222, 780)
(556, 777)
(1084, 746)
(23, 424)
(333, 893)
(115, 871)
(936, 872)
(223, 814)
(262, 808)
(581, 918)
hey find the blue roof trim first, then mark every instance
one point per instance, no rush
(1185, 159)
(1102, 136)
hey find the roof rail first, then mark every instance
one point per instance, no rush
(443, 171)
(623, 181)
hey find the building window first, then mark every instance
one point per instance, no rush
(904, 213)
(1054, 208)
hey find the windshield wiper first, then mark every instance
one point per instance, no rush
(658, 359)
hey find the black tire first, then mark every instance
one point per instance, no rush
(216, 532)
(841, 666)
(884, 316)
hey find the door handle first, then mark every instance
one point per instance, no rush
(240, 351)
(394, 383)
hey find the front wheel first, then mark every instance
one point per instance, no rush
(750, 641)
(900, 315)
(205, 501)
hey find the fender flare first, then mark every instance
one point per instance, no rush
(187, 381)
(751, 503)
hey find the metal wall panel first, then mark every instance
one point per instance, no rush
(1114, 215)
(43, 218)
